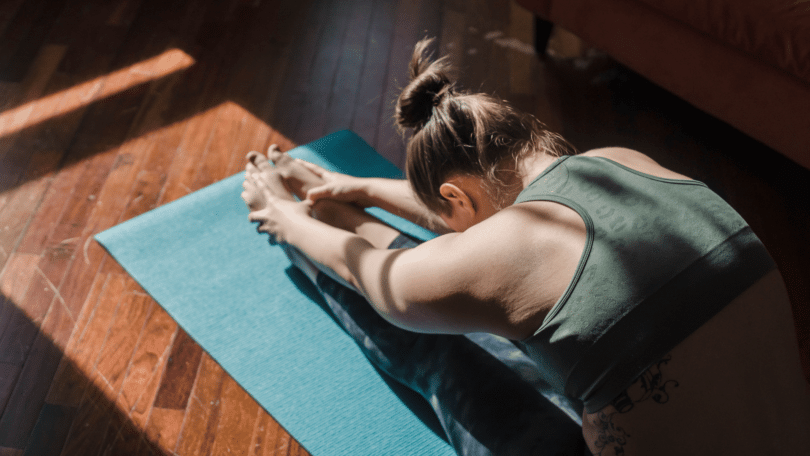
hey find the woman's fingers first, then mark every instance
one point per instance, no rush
(323, 191)
(257, 216)
(317, 170)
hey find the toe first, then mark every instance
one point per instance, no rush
(259, 161)
(278, 157)
(273, 152)
(251, 170)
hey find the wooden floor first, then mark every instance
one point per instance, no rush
(111, 108)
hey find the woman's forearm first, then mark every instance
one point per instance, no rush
(351, 257)
(397, 197)
(325, 245)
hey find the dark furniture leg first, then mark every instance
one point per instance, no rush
(542, 32)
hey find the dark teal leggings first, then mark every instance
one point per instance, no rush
(484, 391)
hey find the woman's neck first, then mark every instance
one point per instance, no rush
(531, 167)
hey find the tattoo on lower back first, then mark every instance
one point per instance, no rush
(611, 438)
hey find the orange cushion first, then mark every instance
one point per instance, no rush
(775, 31)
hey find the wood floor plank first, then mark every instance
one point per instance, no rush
(139, 413)
(370, 99)
(90, 55)
(153, 346)
(15, 278)
(185, 164)
(352, 52)
(115, 428)
(312, 118)
(270, 439)
(126, 441)
(89, 427)
(258, 76)
(18, 154)
(214, 164)
(257, 439)
(145, 192)
(51, 430)
(130, 192)
(163, 428)
(17, 213)
(24, 325)
(148, 33)
(84, 352)
(110, 203)
(70, 380)
(27, 399)
(25, 54)
(203, 413)
(408, 30)
(238, 420)
(18, 30)
(9, 373)
(296, 81)
(253, 135)
(8, 11)
(122, 338)
(124, 13)
(134, 155)
(49, 212)
(181, 371)
(84, 200)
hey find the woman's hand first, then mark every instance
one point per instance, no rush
(279, 217)
(338, 187)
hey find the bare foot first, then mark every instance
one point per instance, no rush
(297, 176)
(261, 178)
(291, 177)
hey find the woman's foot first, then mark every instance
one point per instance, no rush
(261, 181)
(292, 177)
(297, 177)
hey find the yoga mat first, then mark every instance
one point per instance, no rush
(240, 299)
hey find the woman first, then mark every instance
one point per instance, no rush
(635, 289)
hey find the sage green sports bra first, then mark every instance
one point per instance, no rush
(662, 257)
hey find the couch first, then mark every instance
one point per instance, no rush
(746, 62)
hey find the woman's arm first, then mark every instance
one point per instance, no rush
(397, 197)
(392, 195)
(383, 276)
(451, 284)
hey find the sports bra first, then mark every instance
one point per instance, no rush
(662, 257)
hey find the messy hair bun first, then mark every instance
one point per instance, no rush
(430, 82)
(455, 132)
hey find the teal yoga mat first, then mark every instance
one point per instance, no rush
(240, 299)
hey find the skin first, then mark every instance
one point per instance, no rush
(735, 386)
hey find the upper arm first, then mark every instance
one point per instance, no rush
(456, 283)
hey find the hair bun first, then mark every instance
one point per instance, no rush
(430, 84)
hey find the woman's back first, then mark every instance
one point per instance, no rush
(733, 386)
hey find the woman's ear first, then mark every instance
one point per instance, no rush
(462, 207)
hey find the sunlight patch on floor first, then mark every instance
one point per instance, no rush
(57, 104)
